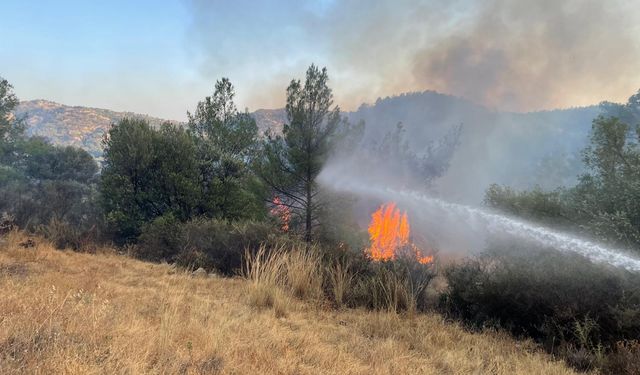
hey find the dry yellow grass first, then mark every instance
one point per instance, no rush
(64, 312)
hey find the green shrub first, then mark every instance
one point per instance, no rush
(220, 245)
(161, 239)
(573, 307)
(535, 204)
(208, 243)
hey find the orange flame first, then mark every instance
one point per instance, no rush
(282, 212)
(389, 233)
(423, 259)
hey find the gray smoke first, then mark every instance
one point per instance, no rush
(524, 55)
(508, 55)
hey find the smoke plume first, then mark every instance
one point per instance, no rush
(507, 55)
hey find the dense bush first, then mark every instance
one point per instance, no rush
(537, 204)
(209, 243)
(581, 311)
(51, 190)
(162, 239)
(147, 173)
(45, 188)
(625, 359)
(67, 236)
(573, 307)
(217, 244)
(302, 271)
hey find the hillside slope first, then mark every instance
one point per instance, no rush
(65, 312)
(72, 125)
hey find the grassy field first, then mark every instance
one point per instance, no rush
(64, 312)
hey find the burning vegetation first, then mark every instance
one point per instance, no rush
(282, 212)
(389, 233)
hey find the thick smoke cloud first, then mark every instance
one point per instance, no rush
(524, 55)
(508, 55)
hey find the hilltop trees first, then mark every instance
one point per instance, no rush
(291, 162)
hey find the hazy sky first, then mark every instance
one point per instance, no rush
(161, 57)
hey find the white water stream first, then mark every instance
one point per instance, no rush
(495, 223)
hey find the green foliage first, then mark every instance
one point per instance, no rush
(607, 198)
(218, 124)
(338, 225)
(147, 173)
(160, 239)
(11, 128)
(628, 113)
(221, 245)
(573, 307)
(290, 163)
(35, 203)
(45, 162)
(209, 243)
(226, 142)
(185, 173)
(581, 311)
(45, 188)
(534, 204)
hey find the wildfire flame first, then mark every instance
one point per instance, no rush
(389, 233)
(282, 212)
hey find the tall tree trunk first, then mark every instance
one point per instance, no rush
(307, 234)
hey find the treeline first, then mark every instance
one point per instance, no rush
(158, 187)
(161, 189)
(216, 167)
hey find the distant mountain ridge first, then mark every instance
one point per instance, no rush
(85, 127)
(76, 126)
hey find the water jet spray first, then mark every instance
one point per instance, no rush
(492, 222)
